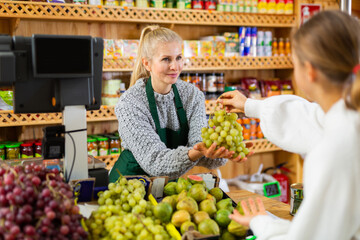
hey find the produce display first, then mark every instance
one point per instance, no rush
(125, 214)
(197, 208)
(225, 132)
(35, 203)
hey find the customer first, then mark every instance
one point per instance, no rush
(326, 132)
(160, 117)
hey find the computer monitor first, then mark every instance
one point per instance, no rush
(49, 72)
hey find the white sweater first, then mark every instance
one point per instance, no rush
(330, 144)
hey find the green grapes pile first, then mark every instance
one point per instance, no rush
(125, 214)
(225, 132)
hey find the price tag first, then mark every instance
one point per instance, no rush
(272, 189)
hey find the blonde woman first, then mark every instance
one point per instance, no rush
(326, 54)
(160, 117)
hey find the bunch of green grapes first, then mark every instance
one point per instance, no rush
(131, 226)
(128, 194)
(125, 214)
(225, 132)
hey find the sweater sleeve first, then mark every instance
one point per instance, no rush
(290, 122)
(197, 120)
(149, 151)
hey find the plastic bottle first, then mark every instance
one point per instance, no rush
(262, 6)
(287, 47)
(253, 44)
(267, 43)
(271, 6)
(260, 49)
(281, 47)
(289, 7)
(275, 47)
(280, 6)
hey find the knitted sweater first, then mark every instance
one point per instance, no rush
(138, 132)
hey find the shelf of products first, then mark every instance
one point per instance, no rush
(10, 119)
(210, 63)
(74, 12)
(259, 146)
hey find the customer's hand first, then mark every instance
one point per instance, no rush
(249, 214)
(232, 100)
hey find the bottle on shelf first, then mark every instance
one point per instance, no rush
(287, 47)
(281, 47)
(275, 47)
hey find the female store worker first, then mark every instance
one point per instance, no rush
(326, 52)
(160, 117)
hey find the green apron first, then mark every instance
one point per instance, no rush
(127, 164)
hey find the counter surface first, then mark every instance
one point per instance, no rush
(275, 207)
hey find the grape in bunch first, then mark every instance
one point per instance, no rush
(35, 203)
(225, 132)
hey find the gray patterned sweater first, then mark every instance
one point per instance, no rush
(138, 132)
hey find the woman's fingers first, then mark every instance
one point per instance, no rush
(245, 208)
(252, 206)
(260, 205)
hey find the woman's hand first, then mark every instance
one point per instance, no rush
(239, 159)
(212, 152)
(232, 100)
(249, 214)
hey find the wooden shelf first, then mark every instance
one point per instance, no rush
(109, 160)
(259, 146)
(93, 13)
(10, 119)
(210, 63)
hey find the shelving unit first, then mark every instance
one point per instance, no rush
(210, 63)
(27, 18)
(90, 13)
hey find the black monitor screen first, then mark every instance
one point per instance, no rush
(62, 56)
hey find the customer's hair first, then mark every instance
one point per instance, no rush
(330, 41)
(150, 38)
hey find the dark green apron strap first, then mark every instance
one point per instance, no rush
(153, 109)
(181, 112)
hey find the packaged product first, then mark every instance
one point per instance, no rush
(232, 49)
(241, 4)
(247, 6)
(108, 47)
(130, 48)
(254, 6)
(259, 133)
(253, 86)
(205, 49)
(271, 6)
(262, 6)
(96, 2)
(2, 152)
(280, 6)
(158, 3)
(253, 128)
(80, 2)
(6, 100)
(111, 3)
(118, 48)
(271, 88)
(197, 4)
(289, 6)
(191, 48)
(56, 1)
(286, 87)
(210, 5)
(127, 3)
(230, 36)
(142, 3)
(170, 4)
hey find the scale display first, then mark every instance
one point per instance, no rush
(272, 189)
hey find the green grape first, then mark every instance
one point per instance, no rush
(211, 123)
(243, 145)
(227, 124)
(223, 133)
(214, 136)
(229, 138)
(226, 128)
(220, 139)
(233, 116)
(210, 131)
(218, 129)
(206, 135)
(111, 186)
(107, 194)
(109, 201)
(220, 119)
(242, 154)
(246, 151)
(203, 130)
(101, 201)
(239, 149)
(233, 149)
(208, 143)
(215, 121)
(235, 155)
(234, 132)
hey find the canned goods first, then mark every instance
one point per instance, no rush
(296, 197)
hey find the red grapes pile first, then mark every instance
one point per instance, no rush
(35, 203)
